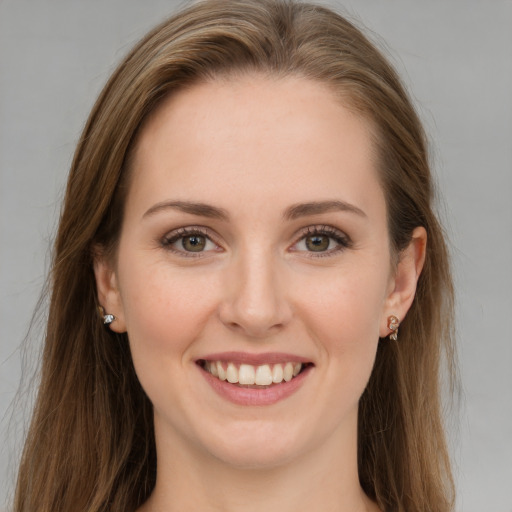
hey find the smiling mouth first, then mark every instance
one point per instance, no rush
(253, 376)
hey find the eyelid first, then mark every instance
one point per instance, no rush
(340, 237)
(171, 237)
(342, 240)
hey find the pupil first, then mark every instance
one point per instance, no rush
(194, 243)
(317, 243)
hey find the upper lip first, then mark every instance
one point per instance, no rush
(255, 359)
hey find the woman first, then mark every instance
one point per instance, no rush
(249, 208)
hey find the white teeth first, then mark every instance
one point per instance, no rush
(232, 373)
(221, 371)
(277, 373)
(288, 372)
(246, 374)
(263, 375)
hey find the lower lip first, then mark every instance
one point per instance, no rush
(253, 396)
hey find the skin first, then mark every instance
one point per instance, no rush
(255, 147)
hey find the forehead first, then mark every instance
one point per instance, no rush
(255, 137)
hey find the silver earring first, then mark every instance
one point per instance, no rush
(107, 317)
(393, 323)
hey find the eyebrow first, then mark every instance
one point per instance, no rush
(291, 213)
(200, 209)
(318, 207)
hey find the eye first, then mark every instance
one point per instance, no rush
(323, 240)
(318, 243)
(190, 241)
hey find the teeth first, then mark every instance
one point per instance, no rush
(232, 373)
(288, 372)
(213, 369)
(263, 375)
(247, 374)
(277, 373)
(220, 370)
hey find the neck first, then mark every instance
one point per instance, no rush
(325, 478)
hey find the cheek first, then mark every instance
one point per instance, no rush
(164, 312)
(348, 306)
(344, 314)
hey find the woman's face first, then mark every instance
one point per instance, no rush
(254, 245)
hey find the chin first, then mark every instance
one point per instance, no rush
(254, 456)
(257, 445)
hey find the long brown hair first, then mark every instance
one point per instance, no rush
(91, 443)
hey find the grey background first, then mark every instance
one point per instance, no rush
(456, 56)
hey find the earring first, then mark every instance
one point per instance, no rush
(393, 323)
(107, 317)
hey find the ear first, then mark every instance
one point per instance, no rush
(109, 296)
(403, 283)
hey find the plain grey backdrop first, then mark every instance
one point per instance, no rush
(456, 58)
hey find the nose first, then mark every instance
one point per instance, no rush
(254, 298)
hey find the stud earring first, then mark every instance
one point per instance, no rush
(107, 317)
(393, 323)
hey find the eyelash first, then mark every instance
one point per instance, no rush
(181, 233)
(342, 240)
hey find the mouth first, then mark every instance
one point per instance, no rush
(246, 379)
(250, 376)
